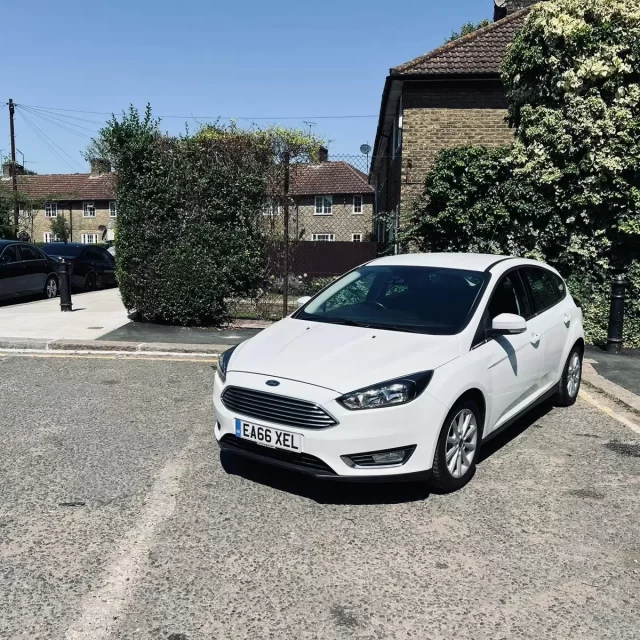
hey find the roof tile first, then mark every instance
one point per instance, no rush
(327, 178)
(479, 52)
(65, 186)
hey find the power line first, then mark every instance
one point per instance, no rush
(48, 141)
(64, 116)
(192, 117)
(66, 126)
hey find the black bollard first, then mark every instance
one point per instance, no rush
(616, 318)
(65, 285)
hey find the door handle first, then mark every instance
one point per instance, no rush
(535, 339)
(566, 319)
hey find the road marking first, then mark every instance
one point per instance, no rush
(102, 606)
(610, 412)
(124, 355)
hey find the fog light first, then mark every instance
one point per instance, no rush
(387, 458)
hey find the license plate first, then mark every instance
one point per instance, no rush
(269, 437)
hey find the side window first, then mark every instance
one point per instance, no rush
(29, 253)
(9, 255)
(509, 297)
(547, 288)
(94, 255)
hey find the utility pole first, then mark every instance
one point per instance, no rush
(14, 179)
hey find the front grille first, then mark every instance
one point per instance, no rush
(304, 460)
(277, 409)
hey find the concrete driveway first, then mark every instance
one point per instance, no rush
(119, 521)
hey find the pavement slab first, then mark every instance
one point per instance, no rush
(120, 520)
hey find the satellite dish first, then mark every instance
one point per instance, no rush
(365, 148)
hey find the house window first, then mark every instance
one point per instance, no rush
(272, 209)
(89, 209)
(357, 204)
(356, 237)
(397, 129)
(323, 237)
(90, 238)
(324, 205)
(51, 210)
(113, 209)
(49, 236)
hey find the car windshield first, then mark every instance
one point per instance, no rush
(62, 250)
(401, 298)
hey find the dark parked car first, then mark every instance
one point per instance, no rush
(25, 271)
(91, 266)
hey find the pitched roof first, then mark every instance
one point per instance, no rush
(327, 178)
(480, 52)
(65, 186)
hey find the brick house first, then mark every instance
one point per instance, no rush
(85, 199)
(332, 201)
(451, 96)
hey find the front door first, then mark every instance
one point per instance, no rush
(11, 272)
(513, 362)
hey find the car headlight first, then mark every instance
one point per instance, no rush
(387, 394)
(223, 363)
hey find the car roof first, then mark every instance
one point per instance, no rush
(67, 244)
(469, 261)
(4, 243)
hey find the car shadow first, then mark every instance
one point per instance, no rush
(323, 491)
(335, 492)
(515, 430)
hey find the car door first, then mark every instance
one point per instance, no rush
(552, 318)
(11, 272)
(513, 362)
(107, 266)
(36, 268)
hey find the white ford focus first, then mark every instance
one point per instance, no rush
(402, 368)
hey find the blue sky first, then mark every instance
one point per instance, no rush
(251, 58)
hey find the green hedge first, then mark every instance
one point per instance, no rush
(187, 237)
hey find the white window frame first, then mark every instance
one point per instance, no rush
(272, 210)
(50, 209)
(86, 240)
(330, 237)
(88, 205)
(360, 237)
(49, 236)
(323, 209)
(397, 130)
(360, 206)
(113, 209)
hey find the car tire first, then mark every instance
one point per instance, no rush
(461, 432)
(569, 384)
(90, 282)
(51, 288)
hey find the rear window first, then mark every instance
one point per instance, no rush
(63, 250)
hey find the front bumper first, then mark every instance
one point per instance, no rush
(416, 423)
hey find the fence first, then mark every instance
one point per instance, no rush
(320, 222)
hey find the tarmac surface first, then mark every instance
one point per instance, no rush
(119, 520)
(623, 369)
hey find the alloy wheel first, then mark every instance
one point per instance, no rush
(462, 442)
(52, 288)
(574, 375)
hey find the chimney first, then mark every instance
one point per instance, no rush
(504, 8)
(323, 154)
(6, 169)
(99, 166)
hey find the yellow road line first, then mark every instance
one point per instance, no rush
(213, 359)
(610, 412)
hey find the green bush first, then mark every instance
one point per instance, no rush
(188, 236)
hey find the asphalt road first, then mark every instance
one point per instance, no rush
(118, 521)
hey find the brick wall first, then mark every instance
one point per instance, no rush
(440, 115)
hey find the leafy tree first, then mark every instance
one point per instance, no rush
(60, 228)
(466, 29)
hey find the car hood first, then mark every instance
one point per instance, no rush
(339, 357)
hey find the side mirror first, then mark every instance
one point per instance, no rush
(508, 324)
(302, 301)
